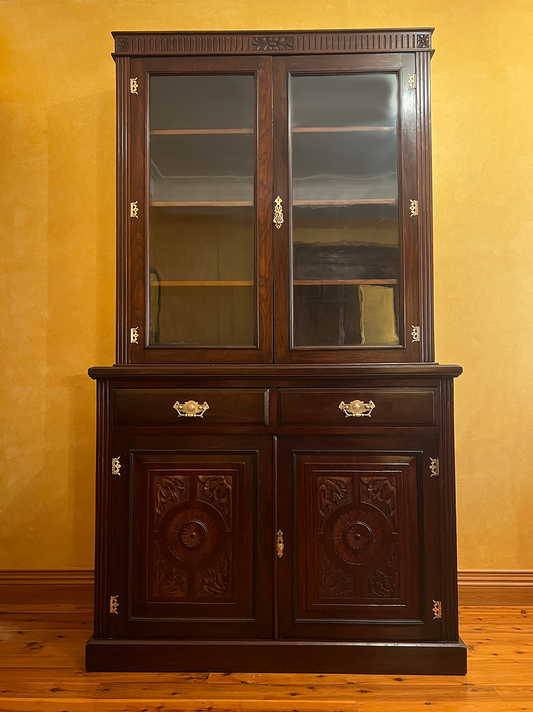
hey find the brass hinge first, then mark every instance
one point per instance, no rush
(412, 81)
(134, 209)
(437, 609)
(434, 466)
(134, 85)
(279, 543)
(115, 466)
(415, 333)
(134, 334)
(413, 208)
(113, 604)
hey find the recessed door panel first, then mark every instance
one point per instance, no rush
(198, 521)
(354, 538)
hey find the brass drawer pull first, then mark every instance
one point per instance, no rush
(191, 409)
(357, 408)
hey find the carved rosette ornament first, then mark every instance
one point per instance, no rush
(267, 44)
(123, 44)
(192, 535)
(357, 537)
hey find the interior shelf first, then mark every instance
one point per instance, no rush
(335, 282)
(202, 283)
(338, 129)
(185, 132)
(199, 203)
(364, 201)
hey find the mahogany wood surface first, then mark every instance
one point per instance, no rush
(155, 406)
(274, 533)
(399, 406)
(42, 668)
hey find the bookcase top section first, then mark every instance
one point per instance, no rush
(273, 42)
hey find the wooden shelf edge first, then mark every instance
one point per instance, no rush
(341, 282)
(340, 129)
(202, 283)
(200, 203)
(192, 132)
(367, 201)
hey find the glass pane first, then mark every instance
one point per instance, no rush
(202, 252)
(345, 210)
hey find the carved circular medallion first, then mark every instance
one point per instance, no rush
(357, 537)
(192, 535)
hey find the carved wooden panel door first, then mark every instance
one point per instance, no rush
(361, 545)
(197, 545)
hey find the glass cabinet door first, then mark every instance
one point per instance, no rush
(205, 297)
(347, 237)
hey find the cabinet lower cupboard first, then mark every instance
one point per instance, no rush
(276, 530)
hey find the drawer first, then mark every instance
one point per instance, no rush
(159, 406)
(391, 406)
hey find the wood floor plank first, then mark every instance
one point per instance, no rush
(42, 668)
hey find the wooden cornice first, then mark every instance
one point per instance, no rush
(273, 42)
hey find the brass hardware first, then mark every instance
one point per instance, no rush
(437, 609)
(113, 604)
(357, 408)
(191, 409)
(415, 333)
(115, 466)
(434, 466)
(134, 85)
(134, 334)
(412, 81)
(280, 546)
(413, 208)
(134, 209)
(278, 213)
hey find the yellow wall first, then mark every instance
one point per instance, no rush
(57, 223)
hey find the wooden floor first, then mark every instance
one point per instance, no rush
(41, 668)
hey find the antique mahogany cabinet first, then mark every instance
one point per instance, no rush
(275, 477)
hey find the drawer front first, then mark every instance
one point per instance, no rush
(360, 406)
(185, 407)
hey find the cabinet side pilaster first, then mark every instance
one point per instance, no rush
(102, 467)
(450, 626)
(122, 270)
(425, 207)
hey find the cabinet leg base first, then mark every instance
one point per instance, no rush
(276, 656)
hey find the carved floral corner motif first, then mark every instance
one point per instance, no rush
(331, 492)
(218, 490)
(384, 584)
(168, 491)
(169, 582)
(334, 582)
(422, 41)
(266, 44)
(381, 490)
(216, 581)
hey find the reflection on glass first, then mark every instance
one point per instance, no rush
(202, 215)
(345, 215)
